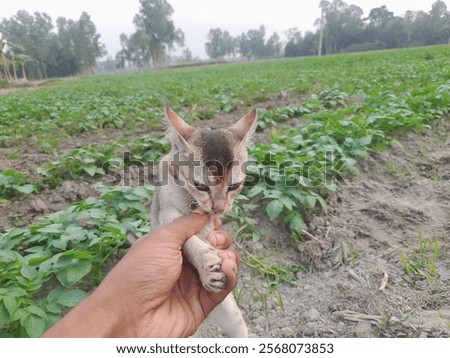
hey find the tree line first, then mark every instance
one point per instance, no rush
(35, 48)
(343, 28)
(32, 45)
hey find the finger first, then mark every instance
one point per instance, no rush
(230, 267)
(230, 254)
(217, 223)
(220, 239)
(182, 228)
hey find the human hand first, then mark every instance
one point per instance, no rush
(151, 292)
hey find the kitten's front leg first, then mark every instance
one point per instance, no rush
(207, 263)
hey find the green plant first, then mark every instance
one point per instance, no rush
(246, 226)
(398, 171)
(275, 275)
(47, 143)
(436, 176)
(145, 149)
(13, 184)
(421, 262)
(331, 98)
(268, 118)
(91, 160)
(13, 154)
(96, 159)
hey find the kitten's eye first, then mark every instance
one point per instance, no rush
(233, 187)
(201, 187)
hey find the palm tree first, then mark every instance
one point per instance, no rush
(4, 62)
(22, 60)
(4, 67)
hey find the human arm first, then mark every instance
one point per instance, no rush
(151, 292)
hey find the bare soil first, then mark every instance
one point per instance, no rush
(353, 284)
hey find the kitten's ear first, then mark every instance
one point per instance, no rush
(245, 127)
(183, 130)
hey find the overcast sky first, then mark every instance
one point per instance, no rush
(196, 17)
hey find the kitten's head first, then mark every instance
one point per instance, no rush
(210, 163)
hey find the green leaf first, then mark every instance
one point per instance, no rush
(141, 192)
(10, 304)
(297, 195)
(90, 169)
(366, 140)
(81, 254)
(53, 307)
(4, 315)
(287, 202)
(114, 230)
(37, 311)
(322, 202)
(71, 298)
(28, 272)
(16, 292)
(311, 201)
(97, 213)
(255, 191)
(34, 325)
(51, 229)
(296, 223)
(274, 209)
(73, 273)
(54, 294)
(25, 189)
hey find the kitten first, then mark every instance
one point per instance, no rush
(205, 169)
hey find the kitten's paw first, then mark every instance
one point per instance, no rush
(211, 275)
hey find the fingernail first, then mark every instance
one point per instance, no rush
(220, 239)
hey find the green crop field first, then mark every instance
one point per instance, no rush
(346, 106)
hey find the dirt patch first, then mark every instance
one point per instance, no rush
(354, 284)
(22, 85)
(25, 210)
(28, 209)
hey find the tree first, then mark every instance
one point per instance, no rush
(77, 46)
(87, 46)
(72, 50)
(4, 63)
(155, 34)
(220, 44)
(273, 46)
(253, 45)
(22, 60)
(440, 18)
(32, 32)
(299, 45)
(379, 16)
(343, 24)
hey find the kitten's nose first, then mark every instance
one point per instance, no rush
(219, 208)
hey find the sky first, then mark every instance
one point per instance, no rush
(196, 17)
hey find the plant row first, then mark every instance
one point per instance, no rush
(88, 161)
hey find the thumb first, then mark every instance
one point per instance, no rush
(183, 228)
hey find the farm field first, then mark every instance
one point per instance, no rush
(343, 227)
